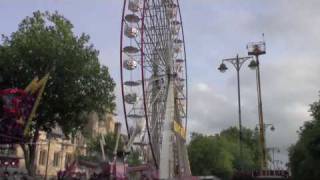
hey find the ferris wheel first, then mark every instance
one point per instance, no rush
(154, 84)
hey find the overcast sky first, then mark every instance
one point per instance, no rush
(217, 29)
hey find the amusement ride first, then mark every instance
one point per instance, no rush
(154, 86)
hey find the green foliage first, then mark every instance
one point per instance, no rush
(219, 154)
(95, 153)
(45, 42)
(133, 158)
(109, 145)
(250, 147)
(206, 156)
(78, 82)
(304, 156)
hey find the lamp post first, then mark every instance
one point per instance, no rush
(265, 127)
(278, 164)
(49, 136)
(237, 63)
(273, 150)
(256, 49)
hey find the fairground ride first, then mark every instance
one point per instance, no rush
(154, 86)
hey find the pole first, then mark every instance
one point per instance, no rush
(237, 63)
(261, 123)
(118, 129)
(102, 143)
(239, 110)
(273, 159)
(167, 162)
(47, 163)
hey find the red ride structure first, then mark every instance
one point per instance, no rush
(17, 109)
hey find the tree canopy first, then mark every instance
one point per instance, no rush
(95, 152)
(78, 84)
(109, 145)
(304, 156)
(219, 154)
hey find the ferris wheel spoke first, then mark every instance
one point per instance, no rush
(150, 54)
(158, 32)
(151, 60)
(154, 46)
(157, 21)
(162, 16)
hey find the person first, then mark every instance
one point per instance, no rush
(59, 175)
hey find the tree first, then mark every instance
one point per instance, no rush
(250, 147)
(78, 83)
(133, 158)
(110, 139)
(95, 152)
(219, 154)
(304, 156)
(207, 157)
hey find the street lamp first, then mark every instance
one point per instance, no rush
(253, 64)
(222, 68)
(272, 128)
(237, 63)
(273, 150)
(278, 164)
(256, 49)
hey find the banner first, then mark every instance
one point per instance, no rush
(179, 129)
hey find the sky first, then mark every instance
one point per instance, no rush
(214, 30)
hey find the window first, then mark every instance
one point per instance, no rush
(68, 159)
(43, 157)
(56, 159)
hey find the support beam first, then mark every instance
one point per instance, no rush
(166, 154)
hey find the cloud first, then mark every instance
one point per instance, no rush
(288, 87)
(209, 111)
(202, 87)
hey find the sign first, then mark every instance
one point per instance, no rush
(179, 129)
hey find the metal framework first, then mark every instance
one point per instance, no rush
(154, 85)
(256, 49)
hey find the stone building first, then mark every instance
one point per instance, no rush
(96, 126)
(59, 151)
(55, 147)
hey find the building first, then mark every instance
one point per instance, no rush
(56, 148)
(96, 126)
(59, 151)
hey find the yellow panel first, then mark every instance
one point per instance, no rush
(179, 129)
(33, 87)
